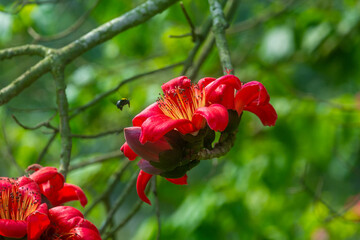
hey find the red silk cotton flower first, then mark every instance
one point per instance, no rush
(21, 211)
(184, 107)
(168, 134)
(251, 96)
(53, 187)
(69, 223)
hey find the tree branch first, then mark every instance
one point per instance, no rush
(102, 158)
(109, 188)
(63, 109)
(118, 202)
(95, 37)
(39, 38)
(219, 26)
(30, 50)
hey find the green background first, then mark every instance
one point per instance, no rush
(295, 180)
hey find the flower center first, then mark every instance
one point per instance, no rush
(181, 103)
(55, 233)
(16, 204)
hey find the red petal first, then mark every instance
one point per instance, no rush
(179, 82)
(253, 93)
(223, 95)
(151, 110)
(178, 181)
(49, 174)
(266, 113)
(148, 168)
(68, 193)
(34, 167)
(158, 125)
(149, 151)
(141, 183)
(86, 233)
(128, 152)
(28, 185)
(38, 221)
(12, 228)
(228, 80)
(205, 81)
(216, 116)
(65, 217)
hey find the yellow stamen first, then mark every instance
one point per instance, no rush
(16, 204)
(182, 103)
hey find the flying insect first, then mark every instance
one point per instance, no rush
(122, 102)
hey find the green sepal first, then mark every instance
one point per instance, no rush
(169, 160)
(180, 171)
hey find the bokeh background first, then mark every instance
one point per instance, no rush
(296, 180)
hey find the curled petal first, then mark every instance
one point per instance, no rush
(178, 181)
(49, 174)
(179, 82)
(141, 183)
(216, 116)
(28, 185)
(149, 150)
(223, 95)
(62, 216)
(158, 125)
(205, 81)
(68, 193)
(38, 221)
(147, 167)
(252, 93)
(128, 152)
(86, 233)
(12, 228)
(266, 113)
(151, 110)
(228, 80)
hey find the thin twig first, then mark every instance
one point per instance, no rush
(46, 148)
(180, 36)
(42, 124)
(116, 131)
(78, 110)
(110, 187)
(39, 38)
(251, 23)
(118, 202)
(157, 207)
(188, 19)
(125, 221)
(10, 154)
(219, 25)
(99, 159)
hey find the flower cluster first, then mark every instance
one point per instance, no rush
(170, 134)
(30, 206)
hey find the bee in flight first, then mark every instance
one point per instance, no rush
(122, 102)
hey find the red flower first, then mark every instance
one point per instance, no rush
(144, 178)
(52, 186)
(69, 223)
(185, 107)
(251, 97)
(21, 211)
(150, 152)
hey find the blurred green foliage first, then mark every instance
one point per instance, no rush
(288, 182)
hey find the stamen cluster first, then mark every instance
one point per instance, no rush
(181, 103)
(17, 204)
